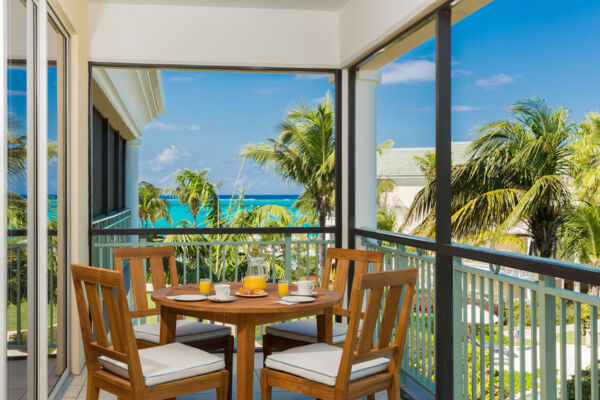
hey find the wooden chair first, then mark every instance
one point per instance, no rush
(360, 368)
(208, 337)
(116, 365)
(290, 334)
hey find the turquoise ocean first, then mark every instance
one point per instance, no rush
(181, 212)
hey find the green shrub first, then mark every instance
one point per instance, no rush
(586, 385)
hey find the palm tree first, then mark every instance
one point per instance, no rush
(586, 159)
(303, 154)
(151, 206)
(195, 190)
(517, 174)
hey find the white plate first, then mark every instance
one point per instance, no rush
(295, 293)
(188, 297)
(298, 299)
(216, 299)
(251, 295)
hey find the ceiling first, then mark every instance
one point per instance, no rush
(322, 5)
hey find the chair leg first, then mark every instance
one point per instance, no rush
(267, 347)
(229, 349)
(393, 393)
(224, 391)
(265, 389)
(93, 393)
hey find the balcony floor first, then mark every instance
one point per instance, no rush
(77, 389)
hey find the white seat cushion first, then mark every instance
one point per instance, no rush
(186, 331)
(320, 362)
(305, 330)
(171, 362)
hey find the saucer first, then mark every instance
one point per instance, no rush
(216, 299)
(296, 293)
(188, 297)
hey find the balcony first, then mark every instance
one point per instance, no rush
(86, 78)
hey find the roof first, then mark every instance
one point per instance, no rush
(401, 162)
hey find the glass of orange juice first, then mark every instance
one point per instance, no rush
(205, 286)
(283, 287)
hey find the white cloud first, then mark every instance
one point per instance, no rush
(409, 72)
(310, 77)
(161, 126)
(269, 90)
(494, 81)
(17, 93)
(165, 158)
(464, 108)
(184, 78)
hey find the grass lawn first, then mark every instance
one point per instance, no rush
(12, 316)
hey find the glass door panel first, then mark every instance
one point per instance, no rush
(57, 128)
(17, 79)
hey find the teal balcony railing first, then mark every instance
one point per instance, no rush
(222, 256)
(520, 336)
(17, 290)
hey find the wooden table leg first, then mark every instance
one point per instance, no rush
(245, 358)
(325, 326)
(168, 321)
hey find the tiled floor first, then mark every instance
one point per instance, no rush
(77, 390)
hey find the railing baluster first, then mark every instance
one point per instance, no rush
(578, 391)
(501, 340)
(594, 343)
(197, 264)
(287, 256)
(183, 249)
(481, 335)
(511, 342)
(473, 341)
(522, 341)
(18, 299)
(534, 344)
(235, 248)
(210, 261)
(492, 326)
(465, 334)
(563, 350)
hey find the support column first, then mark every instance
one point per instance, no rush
(366, 152)
(132, 180)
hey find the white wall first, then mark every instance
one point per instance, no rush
(366, 24)
(194, 35)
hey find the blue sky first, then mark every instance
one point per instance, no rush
(209, 116)
(504, 52)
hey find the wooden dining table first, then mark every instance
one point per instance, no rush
(246, 313)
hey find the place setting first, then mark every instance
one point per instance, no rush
(303, 294)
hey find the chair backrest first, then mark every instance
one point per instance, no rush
(359, 347)
(106, 301)
(154, 257)
(343, 258)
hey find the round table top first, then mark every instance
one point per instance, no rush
(244, 305)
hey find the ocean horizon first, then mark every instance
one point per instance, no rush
(181, 212)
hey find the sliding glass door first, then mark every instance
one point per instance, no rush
(35, 136)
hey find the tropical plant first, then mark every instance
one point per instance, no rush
(151, 206)
(303, 154)
(586, 159)
(517, 175)
(196, 192)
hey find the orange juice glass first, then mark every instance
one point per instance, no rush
(205, 286)
(283, 288)
(255, 282)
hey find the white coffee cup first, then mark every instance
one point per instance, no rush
(305, 287)
(222, 291)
